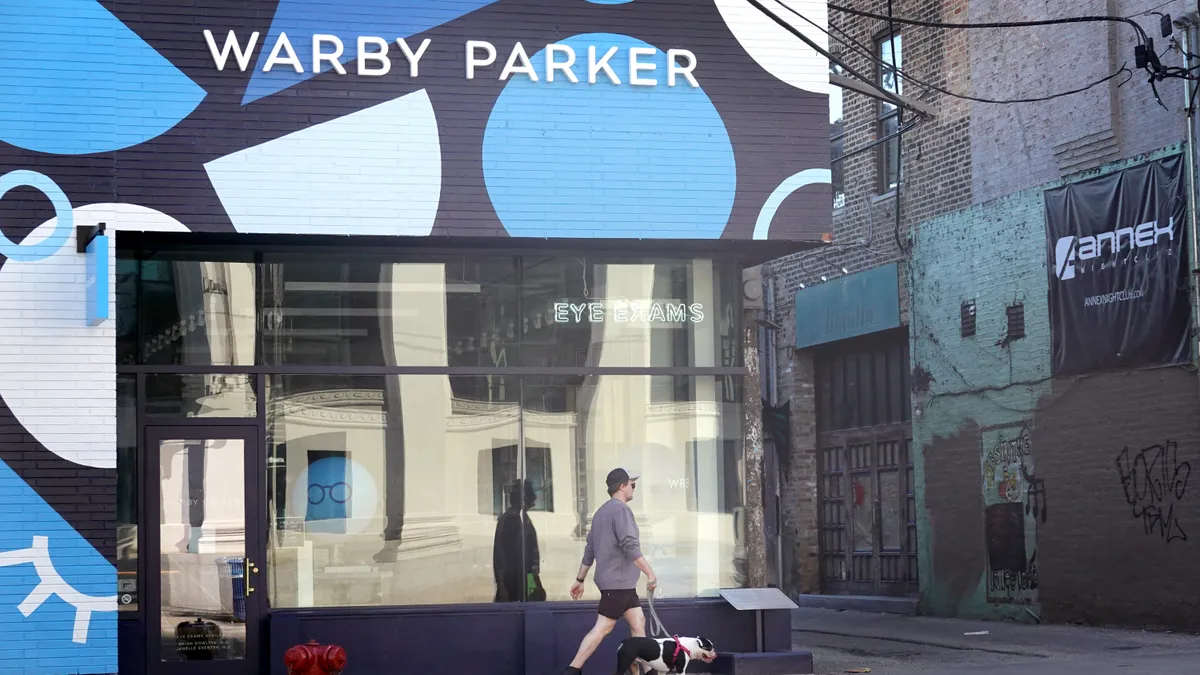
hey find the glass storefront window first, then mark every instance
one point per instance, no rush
(640, 314)
(126, 292)
(688, 503)
(396, 490)
(501, 312)
(367, 312)
(415, 489)
(127, 494)
(201, 395)
(194, 313)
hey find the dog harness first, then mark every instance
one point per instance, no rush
(679, 648)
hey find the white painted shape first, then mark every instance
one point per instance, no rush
(762, 226)
(376, 171)
(52, 584)
(57, 374)
(777, 50)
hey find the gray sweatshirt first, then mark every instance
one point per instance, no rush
(612, 543)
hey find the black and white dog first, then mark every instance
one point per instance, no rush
(665, 655)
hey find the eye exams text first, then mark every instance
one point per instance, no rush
(628, 312)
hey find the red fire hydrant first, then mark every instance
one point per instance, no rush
(313, 658)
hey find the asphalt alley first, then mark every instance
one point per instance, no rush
(892, 644)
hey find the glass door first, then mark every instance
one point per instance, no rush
(205, 586)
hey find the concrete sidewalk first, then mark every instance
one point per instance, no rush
(891, 644)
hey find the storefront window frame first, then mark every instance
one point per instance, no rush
(259, 372)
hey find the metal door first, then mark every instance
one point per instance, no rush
(867, 517)
(868, 509)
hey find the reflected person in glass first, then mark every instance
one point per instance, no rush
(515, 554)
(613, 543)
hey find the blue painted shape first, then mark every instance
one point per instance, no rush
(609, 2)
(857, 304)
(77, 81)
(348, 19)
(329, 490)
(65, 217)
(97, 280)
(49, 635)
(605, 160)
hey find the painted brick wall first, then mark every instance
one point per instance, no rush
(57, 487)
(436, 154)
(1087, 548)
(138, 129)
(937, 179)
(993, 254)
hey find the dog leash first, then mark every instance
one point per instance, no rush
(657, 629)
(656, 625)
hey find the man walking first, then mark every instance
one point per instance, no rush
(613, 544)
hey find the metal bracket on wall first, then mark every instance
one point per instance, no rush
(84, 234)
(871, 90)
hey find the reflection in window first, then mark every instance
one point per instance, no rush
(202, 548)
(376, 483)
(395, 490)
(126, 291)
(499, 312)
(547, 338)
(194, 313)
(127, 494)
(368, 312)
(688, 500)
(889, 56)
(837, 139)
(537, 472)
(201, 395)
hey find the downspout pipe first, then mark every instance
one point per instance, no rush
(1188, 23)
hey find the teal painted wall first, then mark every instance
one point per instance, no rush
(975, 400)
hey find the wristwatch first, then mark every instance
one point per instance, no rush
(579, 580)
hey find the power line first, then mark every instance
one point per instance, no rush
(977, 99)
(817, 48)
(1141, 33)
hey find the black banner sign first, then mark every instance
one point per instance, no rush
(1118, 270)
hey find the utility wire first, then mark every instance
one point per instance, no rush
(815, 47)
(900, 73)
(1141, 33)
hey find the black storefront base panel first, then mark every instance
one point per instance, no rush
(533, 639)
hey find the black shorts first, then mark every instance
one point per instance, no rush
(614, 604)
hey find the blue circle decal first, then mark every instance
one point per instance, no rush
(62, 211)
(575, 159)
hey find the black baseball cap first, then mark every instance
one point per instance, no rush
(618, 477)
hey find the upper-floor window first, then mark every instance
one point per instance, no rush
(888, 49)
(837, 139)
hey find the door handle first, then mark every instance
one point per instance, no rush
(250, 568)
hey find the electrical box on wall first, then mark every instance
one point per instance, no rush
(752, 288)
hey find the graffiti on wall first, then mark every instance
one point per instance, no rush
(1154, 481)
(1014, 501)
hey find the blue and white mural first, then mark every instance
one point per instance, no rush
(446, 118)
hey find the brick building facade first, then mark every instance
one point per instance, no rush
(936, 166)
(972, 233)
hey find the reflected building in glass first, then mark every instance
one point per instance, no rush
(399, 402)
